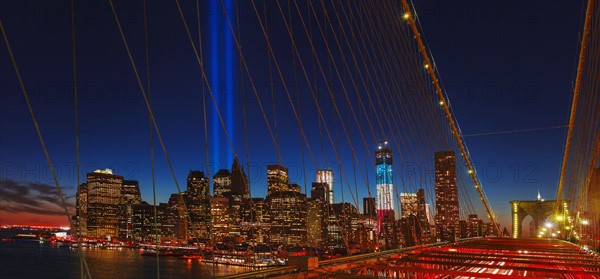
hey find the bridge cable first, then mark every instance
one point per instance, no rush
(151, 142)
(450, 118)
(582, 54)
(82, 261)
(36, 124)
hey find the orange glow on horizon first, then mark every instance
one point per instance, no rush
(29, 219)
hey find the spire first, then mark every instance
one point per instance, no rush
(539, 196)
(239, 180)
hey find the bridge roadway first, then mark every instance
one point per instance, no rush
(471, 258)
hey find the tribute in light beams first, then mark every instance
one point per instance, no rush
(222, 63)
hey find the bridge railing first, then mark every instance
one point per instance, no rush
(355, 258)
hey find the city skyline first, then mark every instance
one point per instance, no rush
(129, 157)
(109, 207)
(299, 138)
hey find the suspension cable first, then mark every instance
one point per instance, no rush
(582, 53)
(445, 106)
(82, 262)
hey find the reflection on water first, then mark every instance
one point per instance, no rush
(36, 260)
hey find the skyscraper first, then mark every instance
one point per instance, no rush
(254, 228)
(104, 198)
(316, 222)
(277, 179)
(384, 184)
(197, 184)
(176, 202)
(326, 176)
(239, 180)
(318, 191)
(155, 229)
(288, 217)
(222, 183)
(130, 196)
(446, 196)
(220, 221)
(423, 214)
(197, 199)
(369, 207)
(81, 210)
(408, 204)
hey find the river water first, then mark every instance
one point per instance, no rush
(29, 259)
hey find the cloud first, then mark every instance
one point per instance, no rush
(32, 197)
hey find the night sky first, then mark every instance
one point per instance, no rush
(506, 65)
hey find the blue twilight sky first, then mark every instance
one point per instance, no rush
(506, 65)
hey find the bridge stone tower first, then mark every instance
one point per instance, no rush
(539, 210)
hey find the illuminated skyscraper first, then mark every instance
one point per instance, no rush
(254, 227)
(288, 217)
(176, 203)
(384, 184)
(148, 229)
(446, 196)
(197, 184)
(408, 204)
(220, 221)
(81, 213)
(326, 176)
(104, 198)
(316, 222)
(197, 200)
(423, 214)
(277, 179)
(222, 183)
(130, 196)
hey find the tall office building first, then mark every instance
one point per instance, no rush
(197, 184)
(197, 199)
(316, 222)
(369, 207)
(288, 217)
(475, 226)
(326, 176)
(277, 179)
(239, 180)
(423, 214)
(81, 210)
(409, 204)
(181, 219)
(254, 228)
(154, 229)
(384, 184)
(104, 198)
(319, 191)
(220, 221)
(222, 183)
(446, 196)
(130, 196)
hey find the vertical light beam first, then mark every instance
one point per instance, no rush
(214, 79)
(229, 82)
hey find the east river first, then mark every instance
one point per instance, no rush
(31, 259)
